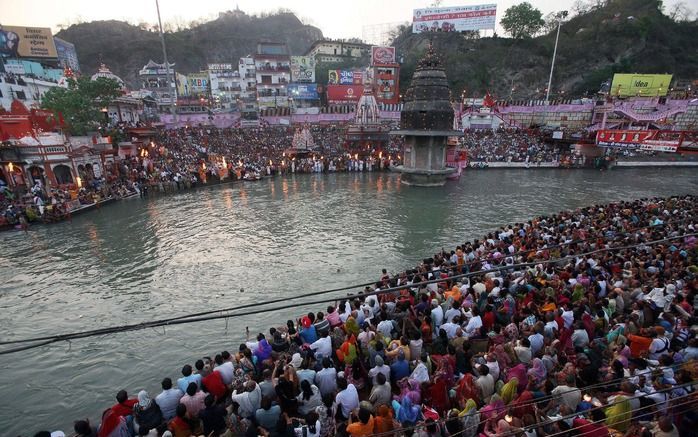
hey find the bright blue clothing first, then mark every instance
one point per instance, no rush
(399, 369)
(308, 335)
(183, 382)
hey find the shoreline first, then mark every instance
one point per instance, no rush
(555, 166)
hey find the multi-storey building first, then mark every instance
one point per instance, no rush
(328, 51)
(153, 78)
(273, 74)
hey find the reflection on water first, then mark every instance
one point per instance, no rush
(138, 260)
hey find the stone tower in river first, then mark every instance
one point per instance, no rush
(426, 122)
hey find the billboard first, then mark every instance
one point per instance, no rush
(344, 93)
(27, 42)
(382, 55)
(345, 77)
(643, 140)
(67, 56)
(303, 91)
(631, 85)
(303, 69)
(454, 19)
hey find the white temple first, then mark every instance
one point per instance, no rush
(105, 72)
(303, 139)
(367, 109)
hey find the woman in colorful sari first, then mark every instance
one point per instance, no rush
(466, 388)
(537, 371)
(407, 413)
(518, 372)
(503, 358)
(619, 414)
(509, 390)
(351, 327)
(384, 421)
(471, 418)
(438, 394)
(494, 409)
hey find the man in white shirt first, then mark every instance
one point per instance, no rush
(523, 351)
(474, 324)
(168, 399)
(437, 313)
(568, 394)
(225, 368)
(380, 367)
(323, 346)
(451, 327)
(485, 382)
(348, 398)
(326, 379)
(659, 345)
(453, 312)
(249, 400)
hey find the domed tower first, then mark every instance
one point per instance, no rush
(426, 122)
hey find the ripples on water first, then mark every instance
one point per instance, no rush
(138, 260)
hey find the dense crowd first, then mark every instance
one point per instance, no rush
(40, 204)
(510, 146)
(581, 323)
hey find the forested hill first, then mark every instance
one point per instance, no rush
(622, 36)
(125, 48)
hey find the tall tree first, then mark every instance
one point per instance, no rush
(80, 103)
(522, 20)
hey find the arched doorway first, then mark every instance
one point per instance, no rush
(37, 174)
(89, 172)
(63, 174)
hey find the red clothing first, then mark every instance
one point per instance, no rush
(214, 384)
(590, 429)
(488, 320)
(125, 408)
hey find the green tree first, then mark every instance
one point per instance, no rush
(80, 103)
(522, 20)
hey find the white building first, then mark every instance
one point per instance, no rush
(27, 82)
(226, 86)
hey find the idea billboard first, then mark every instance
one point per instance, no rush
(631, 85)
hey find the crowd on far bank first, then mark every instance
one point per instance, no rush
(580, 323)
(511, 146)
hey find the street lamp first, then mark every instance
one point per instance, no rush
(560, 17)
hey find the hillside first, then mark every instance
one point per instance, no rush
(125, 48)
(628, 36)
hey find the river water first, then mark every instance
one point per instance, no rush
(138, 260)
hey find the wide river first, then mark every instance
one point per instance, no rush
(138, 260)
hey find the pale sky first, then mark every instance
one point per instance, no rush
(336, 18)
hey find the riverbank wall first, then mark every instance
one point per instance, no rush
(554, 165)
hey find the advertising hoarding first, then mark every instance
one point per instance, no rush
(27, 42)
(345, 77)
(631, 85)
(303, 91)
(454, 19)
(643, 140)
(220, 67)
(67, 55)
(303, 69)
(382, 55)
(344, 93)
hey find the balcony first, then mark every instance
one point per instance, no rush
(273, 68)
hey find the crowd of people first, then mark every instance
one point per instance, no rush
(510, 146)
(580, 323)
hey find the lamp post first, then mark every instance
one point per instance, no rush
(560, 17)
(167, 64)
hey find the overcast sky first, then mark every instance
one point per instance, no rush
(336, 18)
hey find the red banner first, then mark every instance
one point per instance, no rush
(613, 137)
(344, 93)
(382, 55)
(643, 140)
